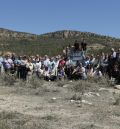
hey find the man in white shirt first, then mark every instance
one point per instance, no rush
(46, 62)
(114, 53)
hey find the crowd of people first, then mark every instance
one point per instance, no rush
(62, 67)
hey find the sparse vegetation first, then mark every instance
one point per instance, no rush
(62, 104)
(52, 43)
(117, 99)
(35, 82)
(7, 80)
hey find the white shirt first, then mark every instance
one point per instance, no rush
(69, 62)
(37, 66)
(114, 54)
(46, 62)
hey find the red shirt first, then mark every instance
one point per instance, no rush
(62, 62)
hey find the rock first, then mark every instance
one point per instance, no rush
(65, 86)
(79, 105)
(97, 94)
(88, 94)
(117, 102)
(72, 100)
(103, 89)
(53, 98)
(78, 102)
(86, 102)
(91, 94)
(116, 91)
(117, 86)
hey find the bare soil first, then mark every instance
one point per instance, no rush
(57, 105)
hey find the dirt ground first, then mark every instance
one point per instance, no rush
(59, 105)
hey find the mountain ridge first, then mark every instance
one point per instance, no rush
(51, 43)
(58, 31)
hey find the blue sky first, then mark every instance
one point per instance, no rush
(42, 16)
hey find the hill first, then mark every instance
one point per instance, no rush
(50, 43)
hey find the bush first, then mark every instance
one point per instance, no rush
(7, 80)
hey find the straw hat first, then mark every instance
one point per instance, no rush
(7, 54)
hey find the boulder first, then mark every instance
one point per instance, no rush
(117, 87)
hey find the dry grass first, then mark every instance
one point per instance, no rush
(14, 120)
(117, 99)
(39, 104)
(7, 80)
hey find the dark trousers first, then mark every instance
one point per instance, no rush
(23, 72)
(46, 78)
(76, 76)
(53, 78)
(18, 72)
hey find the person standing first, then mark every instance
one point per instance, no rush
(1, 63)
(23, 68)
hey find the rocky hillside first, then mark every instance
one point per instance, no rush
(74, 34)
(51, 43)
(8, 34)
